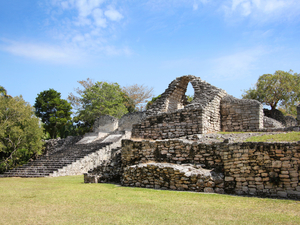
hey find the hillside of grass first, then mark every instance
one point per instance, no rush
(67, 200)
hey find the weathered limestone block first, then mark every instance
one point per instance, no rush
(105, 124)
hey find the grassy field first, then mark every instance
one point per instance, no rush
(67, 200)
(289, 137)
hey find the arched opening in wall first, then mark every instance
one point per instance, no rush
(177, 100)
(190, 92)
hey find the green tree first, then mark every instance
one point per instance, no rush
(101, 99)
(20, 133)
(3, 91)
(150, 103)
(54, 111)
(280, 88)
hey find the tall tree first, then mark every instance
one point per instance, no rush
(101, 99)
(280, 88)
(20, 132)
(134, 96)
(54, 111)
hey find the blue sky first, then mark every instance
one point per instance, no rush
(229, 43)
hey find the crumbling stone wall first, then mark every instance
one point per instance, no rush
(211, 110)
(171, 116)
(105, 124)
(176, 177)
(271, 123)
(241, 114)
(126, 122)
(258, 169)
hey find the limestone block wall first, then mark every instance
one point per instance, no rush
(241, 114)
(105, 124)
(170, 125)
(174, 177)
(258, 169)
(108, 171)
(126, 122)
(271, 123)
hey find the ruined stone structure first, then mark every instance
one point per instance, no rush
(211, 110)
(257, 169)
(187, 164)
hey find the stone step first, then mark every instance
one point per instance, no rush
(46, 165)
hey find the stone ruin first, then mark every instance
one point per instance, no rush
(212, 110)
(153, 149)
(157, 155)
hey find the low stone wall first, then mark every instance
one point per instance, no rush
(257, 169)
(175, 177)
(241, 114)
(272, 123)
(109, 170)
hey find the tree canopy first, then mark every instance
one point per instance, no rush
(134, 95)
(138, 94)
(280, 88)
(101, 99)
(54, 111)
(20, 133)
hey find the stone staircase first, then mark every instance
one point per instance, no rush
(47, 165)
(70, 159)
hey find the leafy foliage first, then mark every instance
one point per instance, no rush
(54, 111)
(278, 88)
(20, 133)
(100, 99)
(150, 103)
(3, 91)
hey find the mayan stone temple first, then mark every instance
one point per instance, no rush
(177, 145)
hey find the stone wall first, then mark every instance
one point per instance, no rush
(105, 124)
(170, 125)
(258, 169)
(109, 170)
(211, 110)
(126, 122)
(241, 114)
(176, 177)
(272, 123)
(54, 145)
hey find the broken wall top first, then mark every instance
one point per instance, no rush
(174, 97)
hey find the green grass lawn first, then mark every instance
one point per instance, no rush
(289, 137)
(67, 200)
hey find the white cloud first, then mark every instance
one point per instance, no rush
(262, 10)
(41, 52)
(87, 24)
(100, 21)
(113, 14)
